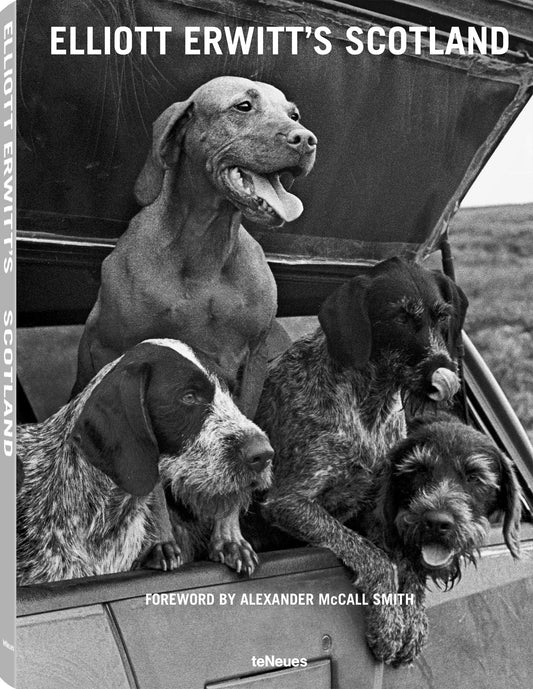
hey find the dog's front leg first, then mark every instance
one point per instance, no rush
(308, 521)
(228, 546)
(163, 552)
(374, 571)
(415, 619)
(252, 380)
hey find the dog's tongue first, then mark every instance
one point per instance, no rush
(435, 555)
(286, 205)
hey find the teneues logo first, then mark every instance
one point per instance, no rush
(274, 661)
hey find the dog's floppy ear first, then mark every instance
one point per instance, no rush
(164, 153)
(114, 433)
(388, 499)
(345, 321)
(509, 503)
(388, 509)
(453, 295)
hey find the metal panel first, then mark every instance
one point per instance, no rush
(69, 649)
(483, 640)
(185, 645)
(316, 675)
(180, 647)
(112, 587)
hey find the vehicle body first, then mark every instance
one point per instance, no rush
(388, 179)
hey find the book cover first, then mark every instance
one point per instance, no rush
(408, 101)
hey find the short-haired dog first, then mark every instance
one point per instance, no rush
(186, 268)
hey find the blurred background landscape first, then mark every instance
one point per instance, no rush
(492, 241)
(493, 256)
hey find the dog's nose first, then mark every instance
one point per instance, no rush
(257, 452)
(302, 140)
(438, 522)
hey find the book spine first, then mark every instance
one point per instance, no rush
(8, 316)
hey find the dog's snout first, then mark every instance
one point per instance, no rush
(438, 523)
(257, 452)
(303, 140)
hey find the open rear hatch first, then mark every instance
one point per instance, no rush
(401, 137)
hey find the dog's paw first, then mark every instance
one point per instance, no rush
(384, 632)
(164, 556)
(238, 555)
(414, 639)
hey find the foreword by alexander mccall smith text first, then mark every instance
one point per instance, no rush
(194, 598)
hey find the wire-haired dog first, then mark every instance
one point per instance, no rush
(437, 493)
(86, 503)
(332, 407)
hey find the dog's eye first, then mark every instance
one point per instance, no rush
(441, 314)
(295, 116)
(404, 318)
(471, 476)
(191, 397)
(245, 106)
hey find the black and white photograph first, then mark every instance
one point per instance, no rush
(269, 328)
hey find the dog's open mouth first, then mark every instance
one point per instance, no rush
(436, 556)
(264, 193)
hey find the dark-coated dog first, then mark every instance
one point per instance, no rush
(437, 493)
(85, 506)
(333, 406)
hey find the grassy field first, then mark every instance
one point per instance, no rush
(493, 252)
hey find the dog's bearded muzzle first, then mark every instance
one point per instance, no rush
(223, 464)
(439, 528)
(435, 381)
(444, 384)
(439, 376)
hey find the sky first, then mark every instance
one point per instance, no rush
(508, 175)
